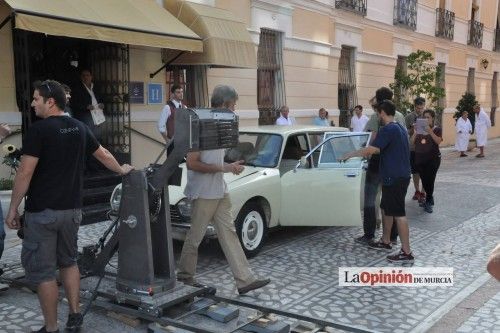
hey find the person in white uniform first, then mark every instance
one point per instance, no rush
(285, 119)
(464, 130)
(358, 120)
(481, 125)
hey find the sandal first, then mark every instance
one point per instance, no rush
(480, 155)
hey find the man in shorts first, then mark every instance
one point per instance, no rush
(393, 146)
(51, 175)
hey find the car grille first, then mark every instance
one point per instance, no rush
(175, 216)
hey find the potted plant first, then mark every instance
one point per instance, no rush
(12, 158)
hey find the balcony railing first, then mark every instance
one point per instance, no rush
(497, 40)
(405, 13)
(445, 23)
(355, 6)
(475, 34)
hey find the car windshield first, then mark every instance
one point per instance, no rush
(256, 149)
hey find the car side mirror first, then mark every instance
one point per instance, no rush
(301, 164)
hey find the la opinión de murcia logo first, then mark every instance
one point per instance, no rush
(396, 276)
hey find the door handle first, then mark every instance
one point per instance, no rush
(351, 174)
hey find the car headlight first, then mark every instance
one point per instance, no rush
(116, 197)
(184, 207)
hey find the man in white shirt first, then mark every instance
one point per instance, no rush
(211, 203)
(284, 119)
(166, 121)
(358, 120)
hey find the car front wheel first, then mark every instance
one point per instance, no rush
(251, 228)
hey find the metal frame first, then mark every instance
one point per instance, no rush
(111, 71)
(475, 36)
(405, 13)
(445, 23)
(354, 6)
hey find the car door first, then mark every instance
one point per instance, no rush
(329, 193)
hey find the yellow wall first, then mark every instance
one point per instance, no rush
(243, 80)
(240, 8)
(461, 9)
(370, 77)
(377, 41)
(457, 58)
(310, 80)
(311, 25)
(428, 3)
(143, 61)
(424, 45)
(7, 80)
(488, 8)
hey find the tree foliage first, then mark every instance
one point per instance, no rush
(421, 79)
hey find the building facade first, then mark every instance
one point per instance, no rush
(307, 55)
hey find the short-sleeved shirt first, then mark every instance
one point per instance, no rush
(61, 145)
(358, 123)
(425, 147)
(375, 123)
(207, 185)
(392, 140)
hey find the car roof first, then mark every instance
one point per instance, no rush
(291, 129)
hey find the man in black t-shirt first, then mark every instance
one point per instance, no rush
(51, 175)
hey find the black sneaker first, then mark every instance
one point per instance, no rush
(43, 330)
(363, 240)
(380, 245)
(75, 322)
(428, 207)
(401, 257)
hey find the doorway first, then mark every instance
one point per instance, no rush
(39, 57)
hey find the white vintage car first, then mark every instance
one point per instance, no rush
(292, 177)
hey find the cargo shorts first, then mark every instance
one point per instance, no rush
(50, 242)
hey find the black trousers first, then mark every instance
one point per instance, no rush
(372, 184)
(428, 171)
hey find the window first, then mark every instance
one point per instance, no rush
(270, 78)
(347, 96)
(256, 149)
(355, 6)
(405, 13)
(445, 23)
(193, 79)
(475, 37)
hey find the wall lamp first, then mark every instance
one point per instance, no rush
(485, 63)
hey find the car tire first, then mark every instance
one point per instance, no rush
(251, 227)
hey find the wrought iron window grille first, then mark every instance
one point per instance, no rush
(355, 6)
(405, 13)
(445, 23)
(497, 40)
(475, 37)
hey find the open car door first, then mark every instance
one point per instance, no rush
(328, 192)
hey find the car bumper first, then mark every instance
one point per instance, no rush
(179, 231)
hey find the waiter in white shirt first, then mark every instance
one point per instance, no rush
(166, 121)
(284, 119)
(358, 120)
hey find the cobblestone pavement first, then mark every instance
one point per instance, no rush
(303, 264)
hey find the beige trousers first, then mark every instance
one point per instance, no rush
(217, 211)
